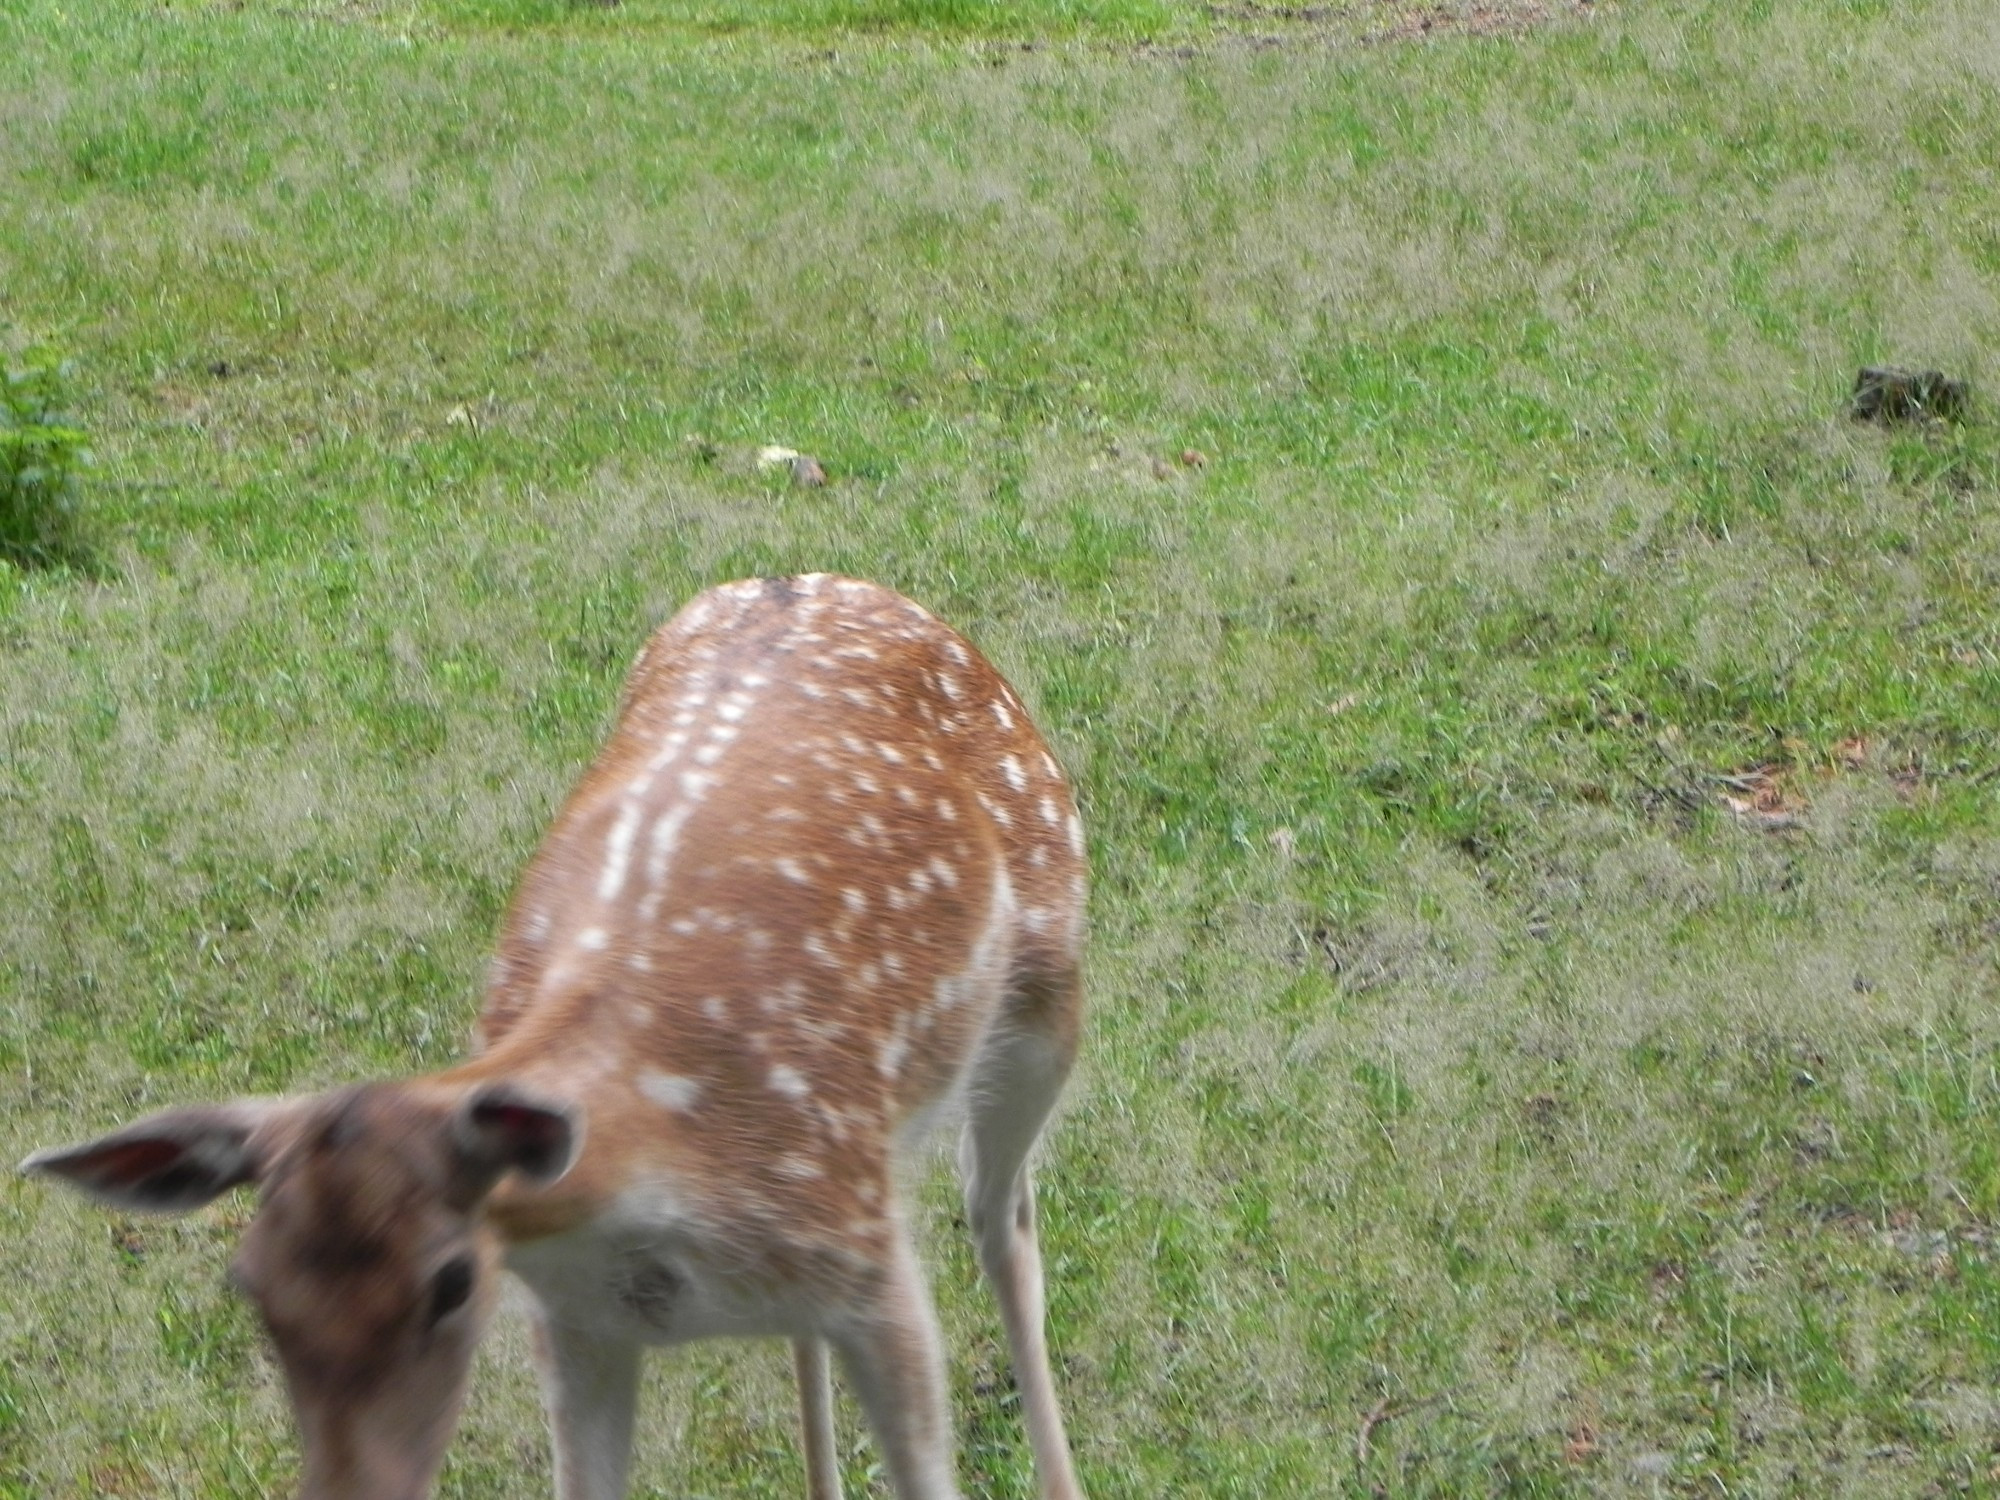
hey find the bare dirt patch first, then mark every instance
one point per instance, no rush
(1377, 21)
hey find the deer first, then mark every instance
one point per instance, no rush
(821, 890)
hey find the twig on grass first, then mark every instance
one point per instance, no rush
(1386, 1410)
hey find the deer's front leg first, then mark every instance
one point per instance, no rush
(590, 1386)
(892, 1353)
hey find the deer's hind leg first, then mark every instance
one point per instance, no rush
(1016, 1081)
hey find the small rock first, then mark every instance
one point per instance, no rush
(1162, 469)
(776, 456)
(1883, 393)
(807, 473)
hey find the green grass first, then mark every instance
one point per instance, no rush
(1461, 1070)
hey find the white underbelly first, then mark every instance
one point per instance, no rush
(645, 1287)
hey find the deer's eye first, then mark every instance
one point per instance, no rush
(450, 1287)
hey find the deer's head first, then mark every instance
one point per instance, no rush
(369, 1259)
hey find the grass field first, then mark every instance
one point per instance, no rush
(1542, 762)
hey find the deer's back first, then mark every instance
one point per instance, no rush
(822, 844)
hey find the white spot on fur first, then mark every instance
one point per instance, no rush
(946, 810)
(592, 938)
(1011, 769)
(791, 869)
(788, 1081)
(945, 874)
(618, 847)
(1051, 814)
(854, 899)
(895, 1047)
(1000, 712)
(890, 753)
(659, 855)
(1076, 835)
(799, 1169)
(984, 967)
(715, 1008)
(956, 652)
(669, 1090)
(670, 746)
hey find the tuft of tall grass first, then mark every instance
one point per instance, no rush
(42, 454)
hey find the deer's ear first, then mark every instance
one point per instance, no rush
(501, 1128)
(166, 1163)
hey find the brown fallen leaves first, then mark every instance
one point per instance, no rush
(1763, 797)
(1772, 796)
(1581, 1445)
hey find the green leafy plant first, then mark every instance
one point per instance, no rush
(42, 451)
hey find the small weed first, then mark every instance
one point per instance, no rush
(42, 454)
